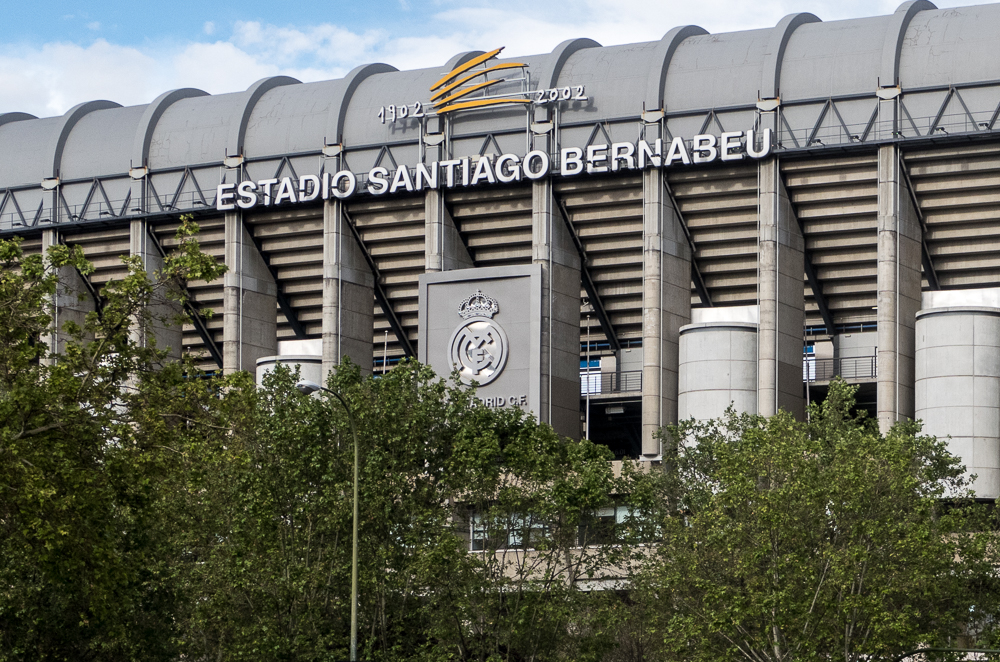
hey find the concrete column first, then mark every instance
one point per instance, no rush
(250, 325)
(71, 302)
(666, 307)
(718, 369)
(553, 249)
(167, 333)
(348, 295)
(444, 247)
(781, 266)
(899, 273)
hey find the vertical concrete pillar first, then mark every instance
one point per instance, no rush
(71, 302)
(348, 295)
(553, 249)
(165, 331)
(250, 324)
(444, 247)
(666, 306)
(781, 265)
(899, 273)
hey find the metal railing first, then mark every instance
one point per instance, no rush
(597, 383)
(822, 125)
(851, 369)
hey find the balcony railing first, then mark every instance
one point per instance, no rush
(598, 383)
(851, 369)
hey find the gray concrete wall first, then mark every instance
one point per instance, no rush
(499, 348)
(348, 295)
(443, 245)
(630, 359)
(553, 249)
(853, 345)
(166, 333)
(71, 302)
(250, 324)
(899, 271)
(666, 307)
(958, 386)
(824, 349)
(780, 296)
(718, 368)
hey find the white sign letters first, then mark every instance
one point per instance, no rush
(503, 169)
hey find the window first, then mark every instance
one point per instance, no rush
(603, 526)
(590, 376)
(613, 523)
(505, 532)
(809, 363)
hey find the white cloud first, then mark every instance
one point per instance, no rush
(217, 67)
(49, 79)
(94, 25)
(320, 45)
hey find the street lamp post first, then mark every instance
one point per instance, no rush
(307, 387)
(587, 416)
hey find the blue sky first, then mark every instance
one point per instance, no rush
(69, 52)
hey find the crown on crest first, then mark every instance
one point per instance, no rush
(478, 305)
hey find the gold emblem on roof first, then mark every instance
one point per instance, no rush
(450, 89)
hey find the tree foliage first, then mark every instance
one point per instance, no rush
(82, 575)
(786, 540)
(147, 512)
(150, 513)
(273, 508)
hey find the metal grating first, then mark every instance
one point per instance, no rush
(393, 233)
(606, 214)
(958, 189)
(212, 239)
(720, 208)
(291, 242)
(837, 204)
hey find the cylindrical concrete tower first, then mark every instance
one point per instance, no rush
(958, 386)
(310, 367)
(718, 367)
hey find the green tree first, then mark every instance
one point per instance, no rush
(547, 546)
(149, 513)
(796, 541)
(270, 505)
(81, 567)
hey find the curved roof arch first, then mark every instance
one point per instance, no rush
(234, 145)
(6, 118)
(686, 71)
(662, 54)
(893, 46)
(550, 74)
(835, 57)
(774, 58)
(461, 58)
(66, 124)
(338, 111)
(716, 70)
(936, 42)
(100, 144)
(151, 115)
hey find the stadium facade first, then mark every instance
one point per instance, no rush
(613, 237)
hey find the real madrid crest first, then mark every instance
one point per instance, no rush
(478, 347)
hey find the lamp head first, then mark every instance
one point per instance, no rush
(306, 387)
